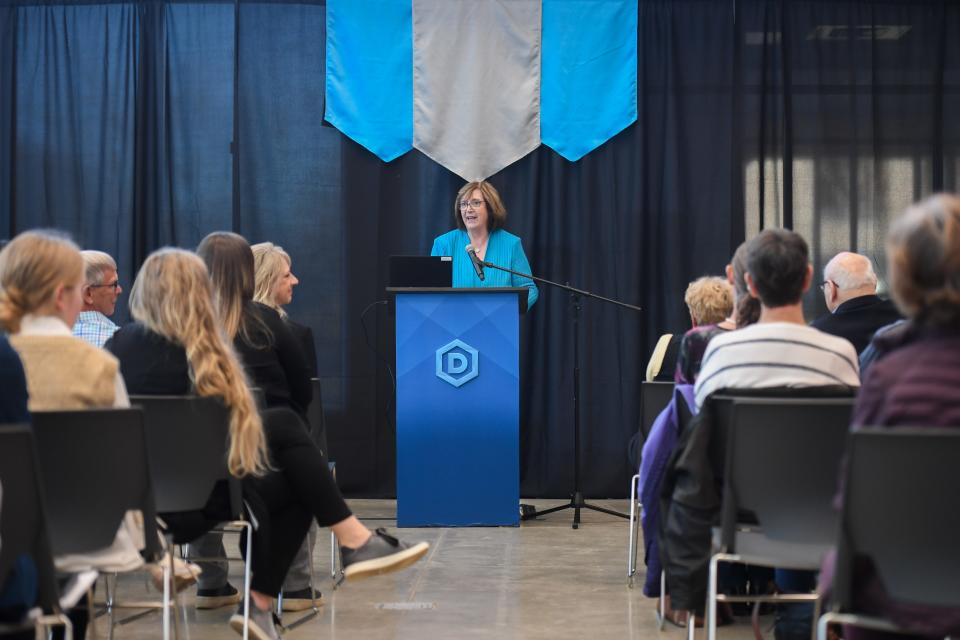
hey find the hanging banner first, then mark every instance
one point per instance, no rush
(478, 84)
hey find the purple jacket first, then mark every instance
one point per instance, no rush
(914, 384)
(656, 453)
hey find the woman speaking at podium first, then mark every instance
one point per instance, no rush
(480, 216)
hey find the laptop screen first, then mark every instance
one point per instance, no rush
(421, 271)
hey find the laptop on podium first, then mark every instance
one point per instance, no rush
(421, 271)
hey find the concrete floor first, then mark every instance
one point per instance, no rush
(541, 580)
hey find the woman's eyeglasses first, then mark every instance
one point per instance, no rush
(475, 203)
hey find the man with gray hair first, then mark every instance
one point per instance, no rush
(850, 291)
(100, 291)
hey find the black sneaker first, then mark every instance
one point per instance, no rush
(263, 624)
(301, 599)
(382, 553)
(216, 598)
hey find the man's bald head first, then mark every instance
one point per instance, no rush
(847, 276)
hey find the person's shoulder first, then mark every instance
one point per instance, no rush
(828, 340)
(822, 321)
(448, 237)
(266, 313)
(505, 236)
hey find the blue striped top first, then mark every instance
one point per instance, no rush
(503, 248)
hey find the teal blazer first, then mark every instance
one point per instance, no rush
(503, 249)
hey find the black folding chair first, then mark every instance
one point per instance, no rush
(23, 526)
(654, 397)
(782, 462)
(187, 444)
(914, 551)
(94, 469)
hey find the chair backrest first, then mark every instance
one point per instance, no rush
(318, 423)
(900, 510)
(187, 443)
(654, 396)
(23, 525)
(783, 460)
(94, 469)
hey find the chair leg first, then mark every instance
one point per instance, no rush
(246, 582)
(712, 599)
(110, 583)
(167, 580)
(817, 605)
(175, 597)
(691, 625)
(335, 568)
(662, 602)
(633, 537)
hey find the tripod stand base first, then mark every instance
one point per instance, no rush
(528, 512)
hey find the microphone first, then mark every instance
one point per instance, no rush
(477, 262)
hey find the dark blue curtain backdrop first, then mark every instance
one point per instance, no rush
(138, 124)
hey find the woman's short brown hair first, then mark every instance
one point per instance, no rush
(923, 254)
(710, 299)
(496, 212)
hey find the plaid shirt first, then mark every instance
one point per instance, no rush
(94, 327)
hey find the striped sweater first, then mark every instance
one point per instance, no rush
(776, 354)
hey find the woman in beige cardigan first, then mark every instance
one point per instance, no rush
(41, 276)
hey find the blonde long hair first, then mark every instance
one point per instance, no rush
(270, 262)
(32, 267)
(172, 296)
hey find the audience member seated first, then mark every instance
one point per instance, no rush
(272, 356)
(18, 590)
(850, 290)
(41, 276)
(176, 346)
(274, 361)
(100, 291)
(915, 384)
(884, 340)
(779, 350)
(710, 302)
(662, 440)
(13, 386)
(274, 288)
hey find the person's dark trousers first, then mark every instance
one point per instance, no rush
(283, 501)
(794, 621)
(79, 617)
(300, 488)
(743, 579)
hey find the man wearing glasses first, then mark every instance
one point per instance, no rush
(850, 291)
(100, 292)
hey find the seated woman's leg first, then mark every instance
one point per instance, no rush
(299, 461)
(308, 479)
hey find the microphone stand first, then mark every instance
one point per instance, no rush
(576, 499)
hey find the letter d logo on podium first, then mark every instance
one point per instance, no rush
(457, 363)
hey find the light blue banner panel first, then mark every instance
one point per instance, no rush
(458, 409)
(589, 73)
(369, 80)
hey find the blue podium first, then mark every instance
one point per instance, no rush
(458, 406)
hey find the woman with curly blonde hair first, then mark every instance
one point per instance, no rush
(177, 346)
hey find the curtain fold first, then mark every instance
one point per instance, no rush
(138, 124)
